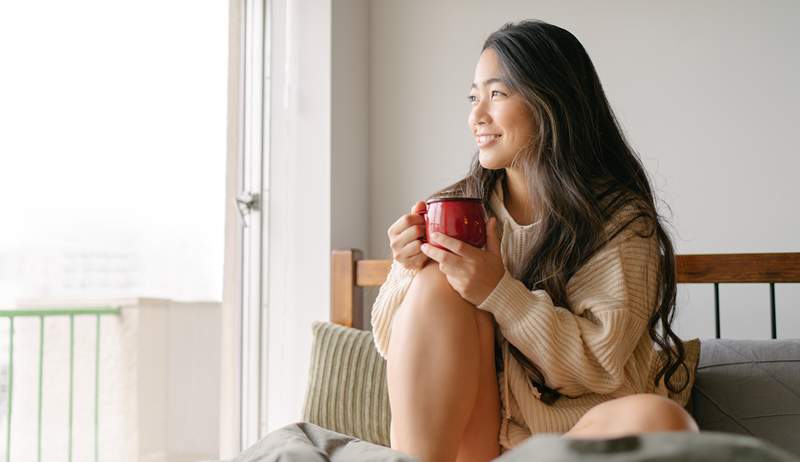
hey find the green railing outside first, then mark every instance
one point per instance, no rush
(41, 314)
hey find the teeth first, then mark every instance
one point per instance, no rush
(483, 139)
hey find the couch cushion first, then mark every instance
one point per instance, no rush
(750, 387)
(346, 389)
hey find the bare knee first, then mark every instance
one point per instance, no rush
(640, 413)
(431, 294)
(654, 413)
(431, 281)
(675, 418)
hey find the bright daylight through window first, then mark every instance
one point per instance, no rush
(112, 191)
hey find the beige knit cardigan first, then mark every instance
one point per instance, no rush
(595, 350)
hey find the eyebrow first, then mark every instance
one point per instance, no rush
(488, 81)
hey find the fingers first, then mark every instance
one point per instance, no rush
(452, 244)
(408, 236)
(411, 256)
(419, 207)
(403, 237)
(443, 257)
(409, 251)
(404, 222)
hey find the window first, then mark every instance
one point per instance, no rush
(113, 149)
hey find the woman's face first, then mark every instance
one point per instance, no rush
(499, 120)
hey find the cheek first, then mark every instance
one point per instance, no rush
(517, 124)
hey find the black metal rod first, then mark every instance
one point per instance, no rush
(716, 308)
(772, 310)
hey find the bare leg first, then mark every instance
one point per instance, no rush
(633, 414)
(434, 369)
(481, 440)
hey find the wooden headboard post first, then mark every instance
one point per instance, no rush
(347, 298)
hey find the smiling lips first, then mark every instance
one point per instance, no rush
(486, 140)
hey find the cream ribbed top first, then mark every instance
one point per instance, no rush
(596, 350)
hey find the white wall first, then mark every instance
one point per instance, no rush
(350, 124)
(706, 92)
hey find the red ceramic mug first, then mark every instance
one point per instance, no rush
(463, 218)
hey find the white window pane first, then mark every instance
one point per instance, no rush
(112, 148)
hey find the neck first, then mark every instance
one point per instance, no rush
(517, 197)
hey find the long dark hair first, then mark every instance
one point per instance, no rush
(580, 171)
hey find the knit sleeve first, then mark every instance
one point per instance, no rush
(584, 348)
(390, 296)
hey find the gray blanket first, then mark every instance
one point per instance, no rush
(304, 442)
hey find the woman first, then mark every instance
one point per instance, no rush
(550, 328)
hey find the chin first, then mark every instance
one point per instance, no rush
(490, 162)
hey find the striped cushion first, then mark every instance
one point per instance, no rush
(347, 384)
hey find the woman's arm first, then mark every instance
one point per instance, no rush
(584, 349)
(391, 294)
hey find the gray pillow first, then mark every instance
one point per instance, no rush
(648, 447)
(750, 387)
(346, 389)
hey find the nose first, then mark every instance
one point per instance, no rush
(479, 115)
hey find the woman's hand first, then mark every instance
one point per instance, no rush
(473, 273)
(403, 238)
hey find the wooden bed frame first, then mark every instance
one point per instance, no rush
(350, 274)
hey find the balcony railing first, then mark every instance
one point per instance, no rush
(71, 313)
(128, 380)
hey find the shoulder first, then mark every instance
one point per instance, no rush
(626, 264)
(630, 221)
(630, 234)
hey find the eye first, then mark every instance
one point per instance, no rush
(473, 99)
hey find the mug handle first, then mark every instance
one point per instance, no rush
(424, 214)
